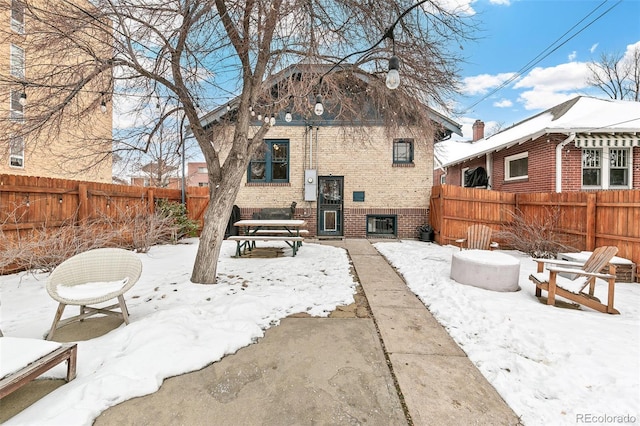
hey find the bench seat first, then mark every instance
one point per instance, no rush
(46, 355)
(243, 241)
(279, 232)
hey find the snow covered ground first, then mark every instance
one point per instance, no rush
(551, 365)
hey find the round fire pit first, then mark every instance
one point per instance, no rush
(486, 269)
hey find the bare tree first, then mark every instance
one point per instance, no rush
(617, 75)
(195, 55)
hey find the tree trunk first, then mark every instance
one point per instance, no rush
(222, 196)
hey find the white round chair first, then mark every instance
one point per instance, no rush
(91, 278)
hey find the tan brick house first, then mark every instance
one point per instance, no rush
(49, 153)
(582, 144)
(345, 181)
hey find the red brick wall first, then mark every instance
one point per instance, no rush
(195, 177)
(542, 167)
(355, 220)
(454, 174)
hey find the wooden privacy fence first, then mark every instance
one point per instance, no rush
(587, 219)
(28, 202)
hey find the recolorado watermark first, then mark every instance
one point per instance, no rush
(600, 419)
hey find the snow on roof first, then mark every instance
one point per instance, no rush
(582, 114)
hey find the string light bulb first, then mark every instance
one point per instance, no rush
(272, 120)
(319, 108)
(393, 76)
(23, 99)
(288, 117)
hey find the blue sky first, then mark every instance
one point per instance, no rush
(513, 33)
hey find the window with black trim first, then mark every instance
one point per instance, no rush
(403, 151)
(16, 151)
(272, 164)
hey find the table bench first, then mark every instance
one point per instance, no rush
(36, 365)
(244, 241)
(274, 232)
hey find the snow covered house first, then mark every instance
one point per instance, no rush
(582, 144)
(345, 179)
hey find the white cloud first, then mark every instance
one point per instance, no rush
(481, 84)
(457, 6)
(572, 56)
(503, 103)
(628, 54)
(563, 77)
(593, 47)
(553, 85)
(501, 2)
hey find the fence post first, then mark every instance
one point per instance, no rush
(591, 222)
(83, 203)
(151, 200)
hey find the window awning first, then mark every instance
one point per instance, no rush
(599, 140)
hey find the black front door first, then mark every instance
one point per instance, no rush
(330, 203)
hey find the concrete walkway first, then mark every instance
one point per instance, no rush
(437, 381)
(395, 367)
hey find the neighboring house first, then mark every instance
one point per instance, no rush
(197, 174)
(582, 144)
(66, 154)
(169, 183)
(158, 174)
(346, 181)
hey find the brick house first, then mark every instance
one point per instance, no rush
(582, 144)
(67, 154)
(345, 180)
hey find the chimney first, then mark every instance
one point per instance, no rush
(478, 130)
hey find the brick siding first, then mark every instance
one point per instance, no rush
(363, 156)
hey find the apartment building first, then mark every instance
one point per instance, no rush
(75, 146)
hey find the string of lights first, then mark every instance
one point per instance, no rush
(392, 80)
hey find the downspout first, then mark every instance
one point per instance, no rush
(310, 142)
(316, 142)
(559, 147)
(489, 169)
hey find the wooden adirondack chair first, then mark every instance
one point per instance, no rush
(585, 277)
(478, 237)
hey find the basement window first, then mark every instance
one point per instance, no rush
(384, 226)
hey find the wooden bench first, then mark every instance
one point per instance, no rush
(243, 242)
(19, 378)
(274, 232)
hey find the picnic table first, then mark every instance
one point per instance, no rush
(291, 231)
